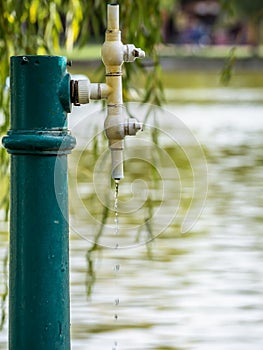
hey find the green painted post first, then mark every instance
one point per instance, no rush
(39, 142)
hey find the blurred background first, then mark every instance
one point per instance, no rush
(204, 22)
(198, 164)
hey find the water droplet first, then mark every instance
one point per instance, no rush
(116, 216)
(115, 345)
(117, 186)
(117, 267)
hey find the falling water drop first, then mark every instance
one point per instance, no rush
(115, 345)
(116, 213)
(117, 265)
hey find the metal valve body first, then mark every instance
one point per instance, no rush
(114, 53)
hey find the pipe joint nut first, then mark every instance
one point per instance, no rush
(132, 126)
(112, 53)
(114, 128)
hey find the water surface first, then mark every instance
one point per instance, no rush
(199, 290)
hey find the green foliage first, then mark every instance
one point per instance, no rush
(167, 5)
(144, 31)
(44, 26)
(4, 293)
(253, 12)
(248, 8)
(227, 71)
(91, 273)
(227, 7)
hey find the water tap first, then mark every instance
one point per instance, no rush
(114, 53)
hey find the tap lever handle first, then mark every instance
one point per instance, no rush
(130, 53)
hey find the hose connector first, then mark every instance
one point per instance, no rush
(82, 91)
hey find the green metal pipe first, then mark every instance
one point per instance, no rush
(39, 141)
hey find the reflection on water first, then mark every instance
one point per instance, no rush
(201, 290)
(165, 181)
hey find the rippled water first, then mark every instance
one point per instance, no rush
(199, 290)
